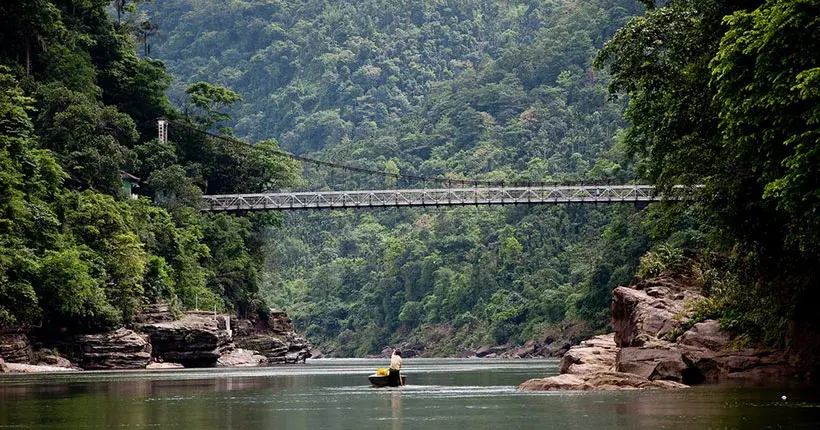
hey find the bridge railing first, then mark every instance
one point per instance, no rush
(556, 194)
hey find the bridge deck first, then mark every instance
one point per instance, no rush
(558, 194)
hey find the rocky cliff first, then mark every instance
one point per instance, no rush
(644, 351)
(196, 339)
(273, 338)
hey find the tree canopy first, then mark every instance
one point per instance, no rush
(77, 110)
(725, 94)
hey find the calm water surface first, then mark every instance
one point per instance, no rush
(335, 394)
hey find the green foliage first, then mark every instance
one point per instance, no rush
(77, 108)
(750, 135)
(662, 259)
(71, 295)
(452, 89)
(206, 102)
(765, 76)
(91, 140)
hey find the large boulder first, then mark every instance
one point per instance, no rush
(154, 313)
(650, 310)
(241, 358)
(658, 363)
(316, 353)
(598, 381)
(747, 364)
(118, 349)
(298, 349)
(555, 349)
(3, 367)
(558, 382)
(273, 347)
(196, 340)
(706, 335)
(708, 351)
(596, 354)
(164, 366)
(15, 348)
(48, 358)
(273, 338)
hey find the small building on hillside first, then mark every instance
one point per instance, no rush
(130, 183)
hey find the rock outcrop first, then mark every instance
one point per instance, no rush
(604, 381)
(709, 352)
(163, 366)
(241, 358)
(118, 349)
(554, 343)
(640, 355)
(36, 368)
(154, 313)
(15, 348)
(591, 366)
(654, 363)
(50, 359)
(649, 310)
(196, 340)
(644, 314)
(593, 355)
(274, 338)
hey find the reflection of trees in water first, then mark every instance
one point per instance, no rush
(395, 403)
(146, 387)
(108, 403)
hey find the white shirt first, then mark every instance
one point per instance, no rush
(395, 362)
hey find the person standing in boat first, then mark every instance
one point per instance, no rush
(394, 377)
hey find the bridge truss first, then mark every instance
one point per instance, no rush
(554, 194)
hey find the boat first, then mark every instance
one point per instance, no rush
(381, 380)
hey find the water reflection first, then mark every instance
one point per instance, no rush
(148, 388)
(455, 394)
(395, 403)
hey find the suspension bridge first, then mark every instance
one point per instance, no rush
(447, 192)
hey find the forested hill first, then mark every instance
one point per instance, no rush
(78, 252)
(316, 71)
(460, 88)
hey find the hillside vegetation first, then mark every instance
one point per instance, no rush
(77, 109)
(463, 89)
(723, 94)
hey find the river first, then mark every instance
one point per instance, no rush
(334, 394)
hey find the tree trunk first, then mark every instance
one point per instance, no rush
(28, 57)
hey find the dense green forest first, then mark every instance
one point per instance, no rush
(727, 94)
(723, 94)
(507, 91)
(478, 90)
(77, 110)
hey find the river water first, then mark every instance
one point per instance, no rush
(335, 394)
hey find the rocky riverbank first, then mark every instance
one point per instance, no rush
(553, 343)
(159, 340)
(655, 345)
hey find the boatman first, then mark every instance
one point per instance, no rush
(394, 378)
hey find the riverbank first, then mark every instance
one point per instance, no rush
(159, 340)
(658, 343)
